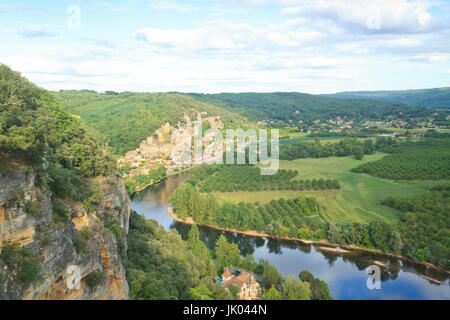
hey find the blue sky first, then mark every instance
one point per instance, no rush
(321, 46)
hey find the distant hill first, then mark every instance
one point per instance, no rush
(301, 106)
(125, 119)
(438, 98)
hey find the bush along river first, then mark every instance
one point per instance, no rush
(345, 272)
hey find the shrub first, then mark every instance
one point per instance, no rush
(33, 209)
(111, 182)
(96, 196)
(115, 229)
(86, 233)
(60, 211)
(21, 259)
(30, 270)
(79, 242)
(2, 279)
(10, 255)
(95, 278)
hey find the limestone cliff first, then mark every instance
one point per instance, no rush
(57, 245)
(156, 149)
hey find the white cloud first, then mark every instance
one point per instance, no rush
(319, 47)
(403, 42)
(35, 32)
(190, 40)
(220, 35)
(165, 5)
(438, 58)
(394, 16)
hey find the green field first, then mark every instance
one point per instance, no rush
(310, 139)
(359, 197)
(415, 130)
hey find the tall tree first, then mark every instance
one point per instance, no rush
(294, 289)
(227, 254)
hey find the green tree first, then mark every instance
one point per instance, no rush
(319, 288)
(317, 140)
(358, 152)
(197, 246)
(272, 294)
(271, 277)
(294, 289)
(200, 292)
(395, 242)
(227, 254)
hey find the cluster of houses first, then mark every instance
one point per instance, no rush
(156, 149)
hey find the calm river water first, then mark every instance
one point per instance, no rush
(345, 274)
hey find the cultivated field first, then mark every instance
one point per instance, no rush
(359, 197)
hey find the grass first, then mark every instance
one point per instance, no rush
(323, 140)
(310, 139)
(415, 130)
(359, 197)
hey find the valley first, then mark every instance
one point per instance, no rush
(359, 183)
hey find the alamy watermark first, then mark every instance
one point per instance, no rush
(74, 19)
(191, 146)
(74, 277)
(374, 280)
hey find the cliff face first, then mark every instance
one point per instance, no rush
(57, 245)
(157, 148)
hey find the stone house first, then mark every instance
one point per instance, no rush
(249, 289)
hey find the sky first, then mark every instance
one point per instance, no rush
(210, 46)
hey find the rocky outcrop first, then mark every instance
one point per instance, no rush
(55, 244)
(156, 149)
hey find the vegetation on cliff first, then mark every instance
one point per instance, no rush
(54, 169)
(36, 129)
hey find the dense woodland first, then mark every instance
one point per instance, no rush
(160, 265)
(438, 98)
(425, 225)
(282, 106)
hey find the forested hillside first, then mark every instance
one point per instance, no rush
(284, 106)
(438, 98)
(127, 118)
(58, 189)
(34, 128)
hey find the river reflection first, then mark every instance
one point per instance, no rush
(345, 273)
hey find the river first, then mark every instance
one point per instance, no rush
(345, 273)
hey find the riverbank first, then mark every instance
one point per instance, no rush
(323, 244)
(173, 173)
